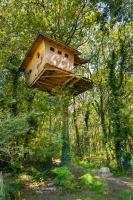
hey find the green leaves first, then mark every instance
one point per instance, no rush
(101, 29)
(64, 178)
(13, 127)
(92, 182)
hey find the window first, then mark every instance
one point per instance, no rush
(38, 54)
(52, 49)
(59, 52)
(66, 55)
(28, 73)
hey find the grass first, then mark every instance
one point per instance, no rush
(118, 194)
(88, 186)
(124, 194)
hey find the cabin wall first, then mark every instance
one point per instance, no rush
(48, 52)
(59, 57)
(36, 64)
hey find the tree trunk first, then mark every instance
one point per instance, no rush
(13, 108)
(78, 147)
(65, 157)
(2, 192)
(115, 81)
(27, 135)
(103, 124)
(87, 138)
(15, 75)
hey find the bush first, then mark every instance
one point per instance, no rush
(16, 167)
(90, 166)
(5, 160)
(87, 180)
(64, 178)
(36, 174)
(12, 189)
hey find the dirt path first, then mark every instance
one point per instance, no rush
(120, 182)
(41, 190)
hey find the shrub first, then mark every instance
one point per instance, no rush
(5, 160)
(64, 178)
(16, 167)
(87, 180)
(12, 189)
(36, 174)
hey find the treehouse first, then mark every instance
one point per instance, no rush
(50, 64)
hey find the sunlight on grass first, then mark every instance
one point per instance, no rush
(25, 177)
(35, 184)
(30, 183)
(83, 199)
(131, 185)
(90, 166)
(86, 179)
(92, 182)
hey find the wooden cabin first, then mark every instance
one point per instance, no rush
(49, 64)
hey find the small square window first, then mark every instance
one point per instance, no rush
(59, 52)
(66, 55)
(52, 49)
(38, 54)
(28, 73)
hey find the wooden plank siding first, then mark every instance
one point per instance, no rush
(49, 64)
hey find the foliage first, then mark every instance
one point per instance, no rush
(64, 178)
(100, 130)
(92, 182)
(125, 194)
(90, 166)
(13, 127)
(36, 174)
(12, 189)
(16, 167)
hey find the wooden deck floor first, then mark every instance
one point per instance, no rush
(52, 77)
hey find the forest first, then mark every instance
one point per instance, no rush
(66, 147)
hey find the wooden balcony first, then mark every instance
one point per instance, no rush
(52, 77)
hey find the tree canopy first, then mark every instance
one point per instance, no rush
(101, 119)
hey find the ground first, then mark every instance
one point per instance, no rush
(116, 188)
